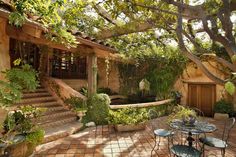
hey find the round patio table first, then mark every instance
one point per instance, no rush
(197, 128)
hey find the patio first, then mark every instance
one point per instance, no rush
(104, 141)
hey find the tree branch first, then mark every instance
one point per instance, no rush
(103, 13)
(132, 27)
(192, 57)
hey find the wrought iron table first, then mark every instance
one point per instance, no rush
(197, 128)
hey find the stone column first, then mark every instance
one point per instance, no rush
(92, 74)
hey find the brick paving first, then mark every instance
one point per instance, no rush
(104, 141)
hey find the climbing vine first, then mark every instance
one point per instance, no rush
(160, 71)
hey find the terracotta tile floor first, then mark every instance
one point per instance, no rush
(103, 141)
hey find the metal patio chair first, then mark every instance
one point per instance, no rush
(219, 143)
(159, 132)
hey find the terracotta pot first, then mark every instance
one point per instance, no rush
(131, 127)
(221, 116)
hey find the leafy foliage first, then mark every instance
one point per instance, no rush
(25, 77)
(98, 108)
(76, 103)
(9, 93)
(36, 137)
(17, 79)
(16, 19)
(230, 87)
(128, 116)
(20, 121)
(223, 106)
(181, 112)
(162, 70)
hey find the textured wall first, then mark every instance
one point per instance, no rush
(193, 74)
(4, 48)
(112, 80)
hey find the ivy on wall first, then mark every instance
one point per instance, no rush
(161, 71)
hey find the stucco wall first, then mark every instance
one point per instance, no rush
(4, 48)
(76, 84)
(112, 79)
(192, 74)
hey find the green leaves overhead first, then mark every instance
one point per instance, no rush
(230, 87)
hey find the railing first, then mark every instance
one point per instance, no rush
(149, 104)
(61, 89)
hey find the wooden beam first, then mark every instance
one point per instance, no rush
(92, 74)
(18, 34)
(94, 44)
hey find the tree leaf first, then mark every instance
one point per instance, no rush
(230, 87)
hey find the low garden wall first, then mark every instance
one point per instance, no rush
(140, 105)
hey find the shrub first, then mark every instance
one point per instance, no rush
(76, 103)
(222, 106)
(35, 138)
(84, 91)
(25, 76)
(127, 116)
(98, 108)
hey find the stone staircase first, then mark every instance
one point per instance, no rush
(57, 120)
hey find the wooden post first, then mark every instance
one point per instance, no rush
(4, 48)
(92, 74)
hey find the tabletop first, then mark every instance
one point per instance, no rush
(197, 127)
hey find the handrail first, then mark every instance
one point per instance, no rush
(149, 104)
(64, 90)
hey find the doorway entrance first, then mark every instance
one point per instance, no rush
(202, 96)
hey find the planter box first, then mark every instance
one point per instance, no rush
(221, 116)
(131, 127)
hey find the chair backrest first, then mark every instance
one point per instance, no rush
(151, 115)
(229, 124)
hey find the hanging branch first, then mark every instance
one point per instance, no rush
(195, 59)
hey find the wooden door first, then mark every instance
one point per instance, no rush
(202, 96)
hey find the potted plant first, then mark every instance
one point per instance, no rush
(78, 105)
(222, 109)
(18, 123)
(187, 115)
(128, 119)
(21, 136)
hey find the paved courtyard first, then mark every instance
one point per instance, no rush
(104, 141)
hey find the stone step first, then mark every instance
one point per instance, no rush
(50, 110)
(56, 122)
(37, 100)
(35, 95)
(38, 90)
(54, 133)
(56, 115)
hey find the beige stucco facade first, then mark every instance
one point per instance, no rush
(192, 74)
(4, 48)
(105, 80)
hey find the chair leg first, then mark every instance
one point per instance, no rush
(156, 144)
(203, 150)
(223, 152)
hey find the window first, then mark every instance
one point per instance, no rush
(68, 66)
